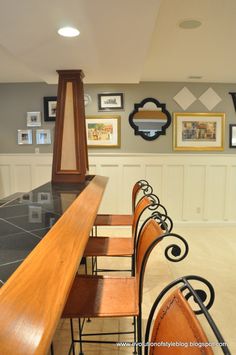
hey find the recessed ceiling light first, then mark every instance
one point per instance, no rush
(195, 77)
(189, 24)
(68, 32)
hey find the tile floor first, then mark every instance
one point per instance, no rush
(212, 255)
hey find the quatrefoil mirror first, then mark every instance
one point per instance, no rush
(149, 119)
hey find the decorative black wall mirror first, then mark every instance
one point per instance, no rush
(149, 119)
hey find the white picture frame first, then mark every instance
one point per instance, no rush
(24, 136)
(33, 119)
(43, 136)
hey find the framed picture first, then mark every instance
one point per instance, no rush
(33, 119)
(110, 101)
(103, 131)
(50, 107)
(24, 136)
(232, 135)
(198, 131)
(43, 136)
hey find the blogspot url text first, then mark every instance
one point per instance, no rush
(173, 344)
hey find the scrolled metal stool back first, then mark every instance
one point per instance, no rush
(204, 299)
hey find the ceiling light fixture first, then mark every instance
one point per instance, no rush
(195, 77)
(189, 24)
(68, 32)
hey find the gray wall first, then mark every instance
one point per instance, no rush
(17, 99)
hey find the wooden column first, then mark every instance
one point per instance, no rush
(70, 154)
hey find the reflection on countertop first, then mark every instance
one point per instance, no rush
(25, 220)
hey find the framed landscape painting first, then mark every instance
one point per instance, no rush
(103, 131)
(198, 131)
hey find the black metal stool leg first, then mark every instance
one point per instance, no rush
(135, 336)
(139, 328)
(86, 267)
(72, 347)
(80, 338)
(51, 349)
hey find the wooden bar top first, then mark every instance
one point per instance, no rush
(32, 300)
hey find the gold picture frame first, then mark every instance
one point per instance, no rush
(198, 131)
(103, 131)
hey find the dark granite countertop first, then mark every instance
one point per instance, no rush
(25, 220)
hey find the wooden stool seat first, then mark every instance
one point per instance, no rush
(106, 246)
(114, 220)
(102, 296)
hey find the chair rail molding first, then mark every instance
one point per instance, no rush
(195, 188)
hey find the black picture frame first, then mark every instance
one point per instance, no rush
(49, 108)
(232, 135)
(110, 101)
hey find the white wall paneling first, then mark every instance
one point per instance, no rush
(215, 195)
(195, 188)
(22, 177)
(154, 175)
(231, 193)
(194, 192)
(23, 172)
(5, 180)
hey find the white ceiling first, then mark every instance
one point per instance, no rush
(121, 41)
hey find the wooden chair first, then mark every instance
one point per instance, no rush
(123, 246)
(106, 296)
(124, 219)
(176, 329)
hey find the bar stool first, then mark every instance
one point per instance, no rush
(123, 246)
(124, 219)
(94, 296)
(175, 328)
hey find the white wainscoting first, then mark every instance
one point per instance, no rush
(195, 188)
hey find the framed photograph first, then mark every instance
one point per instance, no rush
(110, 101)
(232, 135)
(50, 107)
(24, 136)
(198, 131)
(103, 131)
(33, 119)
(43, 136)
